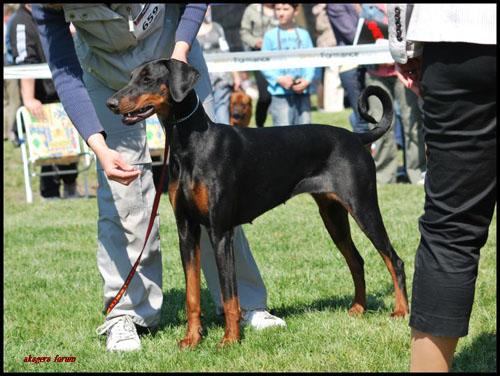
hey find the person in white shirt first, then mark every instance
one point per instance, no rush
(446, 53)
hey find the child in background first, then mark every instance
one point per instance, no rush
(291, 103)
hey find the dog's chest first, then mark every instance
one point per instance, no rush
(190, 197)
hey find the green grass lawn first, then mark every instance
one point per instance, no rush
(53, 291)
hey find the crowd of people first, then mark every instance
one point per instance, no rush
(442, 81)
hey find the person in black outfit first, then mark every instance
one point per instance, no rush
(455, 74)
(27, 49)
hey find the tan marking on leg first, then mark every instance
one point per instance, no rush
(401, 304)
(193, 307)
(233, 315)
(173, 189)
(200, 196)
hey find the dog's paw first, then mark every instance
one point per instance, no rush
(357, 310)
(226, 341)
(399, 313)
(191, 340)
(187, 343)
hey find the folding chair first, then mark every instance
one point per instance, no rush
(156, 138)
(51, 142)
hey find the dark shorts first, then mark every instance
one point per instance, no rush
(459, 85)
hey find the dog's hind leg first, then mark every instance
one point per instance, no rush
(335, 218)
(366, 213)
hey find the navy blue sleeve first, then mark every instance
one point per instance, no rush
(190, 22)
(66, 72)
(344, 21)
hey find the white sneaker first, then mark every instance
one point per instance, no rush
(261, 319)
(122, 334)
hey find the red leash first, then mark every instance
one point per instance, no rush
(151, 221)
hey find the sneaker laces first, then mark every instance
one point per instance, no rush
(124, 330)
(261, 313)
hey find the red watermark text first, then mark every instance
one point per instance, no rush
(48, 359)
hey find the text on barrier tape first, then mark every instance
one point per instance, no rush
(258, 60)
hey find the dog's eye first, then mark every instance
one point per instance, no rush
(146, 79)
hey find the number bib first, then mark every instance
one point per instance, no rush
(149, 20)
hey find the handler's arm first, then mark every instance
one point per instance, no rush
(67, 74)
(189, 24)
(59, 49)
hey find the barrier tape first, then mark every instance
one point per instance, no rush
(303, 58)
(257, 60)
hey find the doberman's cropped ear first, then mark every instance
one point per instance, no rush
(181, 79)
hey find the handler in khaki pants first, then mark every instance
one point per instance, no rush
(107, 47)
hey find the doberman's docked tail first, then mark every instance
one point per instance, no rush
(385, 122)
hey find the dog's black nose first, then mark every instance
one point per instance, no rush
(238, 115)
(112, 104)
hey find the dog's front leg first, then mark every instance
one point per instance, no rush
(224, 255)
(189, 242)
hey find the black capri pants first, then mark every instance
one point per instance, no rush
(460, 122)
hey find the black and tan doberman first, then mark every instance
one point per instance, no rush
(223, 176)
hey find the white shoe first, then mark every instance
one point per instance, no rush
(122, 334)
(261, 319)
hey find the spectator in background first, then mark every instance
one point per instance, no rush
(256, 20)
(27, 49)
(325, 38)
(229, 15)
(447, 53)
(291, 103)
(11, 97)
(344, 20)
(9, 10)
(384, 75)
(212, 40)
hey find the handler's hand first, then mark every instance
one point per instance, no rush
(35, 108)
(117, 169)
(114, 166)
(181, 50)
(410, 74)
(286, 82)
(300, 85)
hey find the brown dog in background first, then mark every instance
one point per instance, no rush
(240, 108)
